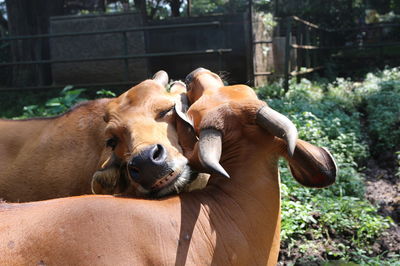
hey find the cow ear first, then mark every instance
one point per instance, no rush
(105, 180)
(178, 88)
(184, 125)
(181, 108)
(312, 166)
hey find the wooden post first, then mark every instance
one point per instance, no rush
(307, 42)
(314, 62)
(251, 65)
(300, 52)
(276, 9)
(287, 52)
(189, 8)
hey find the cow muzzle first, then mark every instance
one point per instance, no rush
(156, 173)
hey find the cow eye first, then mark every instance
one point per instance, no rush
(112, 142)
(165, 112)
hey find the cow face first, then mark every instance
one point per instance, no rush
(142, 132)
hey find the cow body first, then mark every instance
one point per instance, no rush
(53, 157)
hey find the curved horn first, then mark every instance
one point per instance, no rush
(161, 77)
(278, 125)
(210, 148)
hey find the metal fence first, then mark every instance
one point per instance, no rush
(308, 42)
(124, 55)
(311, 46)
(307, 47)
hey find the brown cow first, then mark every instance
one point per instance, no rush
(232, 221)
(54, 157)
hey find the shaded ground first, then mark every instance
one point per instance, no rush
(382, 188)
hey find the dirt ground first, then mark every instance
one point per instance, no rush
(382, 187)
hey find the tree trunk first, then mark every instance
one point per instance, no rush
(101, 5)
(175, 6)
(189, 8)
(27, 17)
(3, 25)
(141, 6)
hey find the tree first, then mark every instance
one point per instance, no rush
(330, 14)
(175, 7)
(3, 20)
(203, 7)
(141, 6)
(26, 17)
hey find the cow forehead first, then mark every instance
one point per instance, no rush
(144, 99)
(142, 93)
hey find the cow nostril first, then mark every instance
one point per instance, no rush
(159, 153)
(134, 171)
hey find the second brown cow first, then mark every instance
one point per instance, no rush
(55, 157)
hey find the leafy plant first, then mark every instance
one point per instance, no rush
(54, 106)
(67, 98)
(380, 97)
(105, 93)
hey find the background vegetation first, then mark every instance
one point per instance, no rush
(355, 120)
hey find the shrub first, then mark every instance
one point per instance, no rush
(54, 106)
(379, 95)
(67, 98)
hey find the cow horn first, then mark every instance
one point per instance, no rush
(161, 77)
(210, 148)
(278, 125)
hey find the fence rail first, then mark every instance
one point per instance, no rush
(71, 34)
(122, 57)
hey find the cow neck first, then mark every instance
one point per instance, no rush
(247, 204)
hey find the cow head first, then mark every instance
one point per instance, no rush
(218, 112)
(142, 132)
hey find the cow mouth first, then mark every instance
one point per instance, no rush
(173, 183)
(167, 179)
